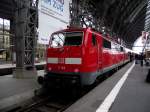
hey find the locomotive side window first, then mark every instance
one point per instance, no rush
(94, 40)
(106, 44)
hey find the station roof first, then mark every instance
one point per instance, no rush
(126, 18)
(7, 9)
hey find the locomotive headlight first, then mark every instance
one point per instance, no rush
(76, 70)
(49, 68)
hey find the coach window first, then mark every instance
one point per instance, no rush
(121, 49)
(106, 44)
(94, 40)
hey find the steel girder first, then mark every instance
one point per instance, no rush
(147, 18)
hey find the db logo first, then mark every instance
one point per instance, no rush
(61, 60)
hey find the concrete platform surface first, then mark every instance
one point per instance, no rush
(2, 66)
(14, 91)
(134, 96)
(135, 93)
(6, 69)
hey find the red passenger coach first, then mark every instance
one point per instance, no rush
(79, 56)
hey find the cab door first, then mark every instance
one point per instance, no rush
(93, 52)
(99, 50)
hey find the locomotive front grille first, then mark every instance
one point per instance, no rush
(62, 79)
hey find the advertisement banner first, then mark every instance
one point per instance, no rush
(53, 16)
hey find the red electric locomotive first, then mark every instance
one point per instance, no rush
(79, 56)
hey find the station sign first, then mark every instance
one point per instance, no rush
(53, 16)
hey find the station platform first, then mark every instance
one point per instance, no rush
(14, 91)
(132, 96)
(10, 65)
(6, 69)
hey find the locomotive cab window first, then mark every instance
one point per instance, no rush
(94, 40)
(73, 38)
(106, 44)
(66, 39)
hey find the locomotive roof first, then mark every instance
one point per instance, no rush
(71, 29)
(107, 37)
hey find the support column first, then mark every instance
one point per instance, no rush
(25, 32)
(12, 41)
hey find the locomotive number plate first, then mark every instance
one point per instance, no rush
(61, 60)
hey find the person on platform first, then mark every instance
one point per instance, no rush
(141, 58)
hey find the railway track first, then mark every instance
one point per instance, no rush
(45, 106)
(54, 103)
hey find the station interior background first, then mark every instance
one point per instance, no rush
(7, 55)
